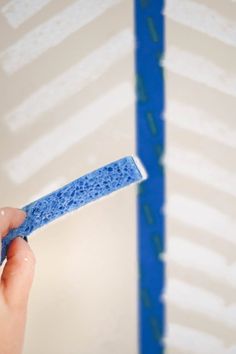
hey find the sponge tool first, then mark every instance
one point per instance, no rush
(74, 195)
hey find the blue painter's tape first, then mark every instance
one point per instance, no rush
(74, 195)
(149, 27)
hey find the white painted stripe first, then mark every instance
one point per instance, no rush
(205, 260)
(209, 262)
(19, 11)
(50, 187)
(199, 69)
(72, 81)
(198, 300)
(195, 165)
(54, 143)
(193, 341)
(231, 275)
(52, 33)
(230, 315)
(192, 298)
(231, 350)
(203, 19)
(202, 216)
(200, 122)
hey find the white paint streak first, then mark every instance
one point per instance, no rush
(19, 11)
(231, 350)
(230, 315)
(200, 122)
(203, 19)
(198, 300)
(199, 69)
(193, 341)
(205, 260)
(50, 187)
(193, 298)
(208, 262)
(231, 275)
(54, 143)
(195, 165)
(72, 81)
(202, 216)
(53, 32)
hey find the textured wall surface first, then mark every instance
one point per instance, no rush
(201, 175)
(67, 107)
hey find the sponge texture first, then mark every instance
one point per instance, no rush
(74, 195)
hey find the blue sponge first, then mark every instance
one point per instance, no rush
(74, 195)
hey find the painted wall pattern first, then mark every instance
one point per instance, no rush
(58, 76)
(201, 174)
(68, 107)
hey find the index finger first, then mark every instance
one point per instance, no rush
(10, 218)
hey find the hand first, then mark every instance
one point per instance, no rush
(15, 284)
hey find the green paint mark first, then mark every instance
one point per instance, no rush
(140, 188)
(157, 244)
(152, 29)
(146, 298)
(151, 123)
(144, 3)
(155, 329)
(159, 150)
(159, 153)
(148, 214)
(142, 97)
(160, 57)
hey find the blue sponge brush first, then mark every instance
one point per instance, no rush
(74, 195)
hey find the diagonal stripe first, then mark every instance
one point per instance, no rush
(205, 260)
(71, 81)
(54, 143)
(231, 350)
(231, 315)
(193, 341)
(198, 300)
(203, 19)
(231, 275)
(52, 33)
(56, 184)
(19, 11)
(199, 69)
(202, 216)
(209, 262)
(195, 165)
(198, 121)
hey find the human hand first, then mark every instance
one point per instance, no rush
(16, 280)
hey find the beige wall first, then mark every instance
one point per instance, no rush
(54, 127)
(201, 182)
(66, 110)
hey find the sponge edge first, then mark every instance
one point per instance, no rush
(88, 188)
(140, 167)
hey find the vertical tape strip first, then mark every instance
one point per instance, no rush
(150, 147)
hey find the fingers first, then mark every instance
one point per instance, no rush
(10, 218)
(17, 275)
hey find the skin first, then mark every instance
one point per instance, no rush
(16, 280)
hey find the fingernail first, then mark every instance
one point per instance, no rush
(22, 211)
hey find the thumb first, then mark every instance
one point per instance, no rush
(17, 275)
